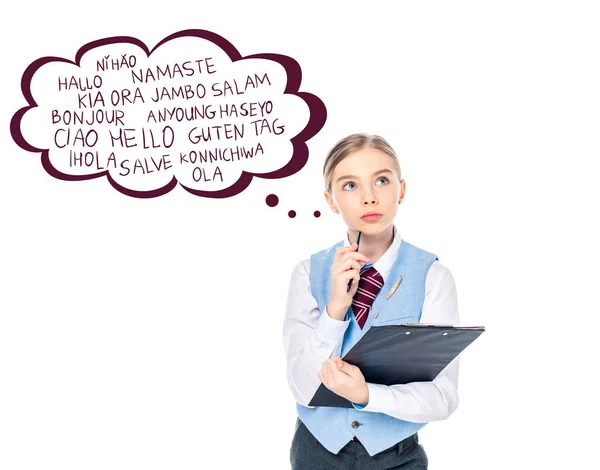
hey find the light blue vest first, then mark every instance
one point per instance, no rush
(377, 431)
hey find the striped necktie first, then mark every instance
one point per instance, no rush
(369, 286)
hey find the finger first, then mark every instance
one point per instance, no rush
(326, 376)
(344, 249)
(344, 265)
(352, 371)
(349, 251)
(331, 367)
(347, 368)
(354, 255)
(332, 377)
(342, 368)
(350, 274)
(334, 367)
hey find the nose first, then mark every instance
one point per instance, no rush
(368, 198)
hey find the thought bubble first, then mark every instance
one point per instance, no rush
(192, 111)
(272, 200)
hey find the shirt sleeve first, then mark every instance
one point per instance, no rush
(309, 336)
(421, 402)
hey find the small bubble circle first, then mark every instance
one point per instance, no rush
(292, 214)
(317, 214)
(272, 200)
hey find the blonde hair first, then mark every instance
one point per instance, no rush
(351, 144)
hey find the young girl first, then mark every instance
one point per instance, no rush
(393, 282)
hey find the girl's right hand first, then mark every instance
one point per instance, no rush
(346, 266)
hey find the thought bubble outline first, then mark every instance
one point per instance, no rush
(316, 121)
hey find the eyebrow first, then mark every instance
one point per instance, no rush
(356, 177)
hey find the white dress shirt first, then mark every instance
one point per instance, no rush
(311, 337)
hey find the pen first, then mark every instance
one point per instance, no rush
(350, 281)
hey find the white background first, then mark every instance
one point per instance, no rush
(146, 334)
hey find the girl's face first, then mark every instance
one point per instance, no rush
(365, 182)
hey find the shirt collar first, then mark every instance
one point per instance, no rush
(384, 264)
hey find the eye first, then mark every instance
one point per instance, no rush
(385, 180)
(346, 185)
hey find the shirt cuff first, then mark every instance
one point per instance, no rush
(330, 331)
(381, 399)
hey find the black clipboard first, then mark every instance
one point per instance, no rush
(400, 354)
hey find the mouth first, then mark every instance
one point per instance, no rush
(371, 217)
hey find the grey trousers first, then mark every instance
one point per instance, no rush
(307, 453)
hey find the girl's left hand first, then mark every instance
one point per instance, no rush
(345, 379)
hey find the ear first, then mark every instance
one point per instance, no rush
(331, 203)
(402, 191)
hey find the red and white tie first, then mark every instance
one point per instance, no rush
(369, 286)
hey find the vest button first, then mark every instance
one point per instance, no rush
(355, 424)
